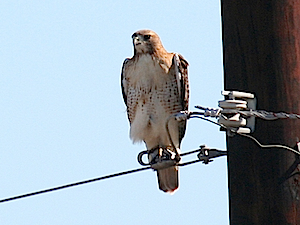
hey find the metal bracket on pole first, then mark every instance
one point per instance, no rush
(206, 154)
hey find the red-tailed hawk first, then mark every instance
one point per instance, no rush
(155, 86)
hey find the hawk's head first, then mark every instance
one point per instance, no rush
(146, 41)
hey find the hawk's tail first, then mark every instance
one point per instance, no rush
(168, 179)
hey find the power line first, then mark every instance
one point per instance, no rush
(282, 115)
(187, 116)
(269, 146)
(73, 184)
(93, 180)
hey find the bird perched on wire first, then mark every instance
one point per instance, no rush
(155, 86)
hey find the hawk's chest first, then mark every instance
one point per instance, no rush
(151, 88)
(148, 72)
(152, 92)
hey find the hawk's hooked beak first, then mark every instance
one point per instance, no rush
(136, 40)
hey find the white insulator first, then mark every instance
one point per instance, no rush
(234, 121)
(238, 94)
(233, 104)
(243, 130)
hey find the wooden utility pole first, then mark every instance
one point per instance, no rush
(261, 41)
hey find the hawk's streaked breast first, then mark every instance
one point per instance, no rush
(152, 96)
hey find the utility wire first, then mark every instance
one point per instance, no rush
(73, 184)
(269, 115)
(189, 163)
(199, 115)
(269, 146)
(248, 136)
(94, 179)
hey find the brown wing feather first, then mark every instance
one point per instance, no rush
(130, 106)
(123, 80)
(183, 67)
(184, 89)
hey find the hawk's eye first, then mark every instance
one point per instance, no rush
(147, 37)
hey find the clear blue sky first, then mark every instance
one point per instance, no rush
(63, 119)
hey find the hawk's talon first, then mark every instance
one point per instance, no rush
(161, 158)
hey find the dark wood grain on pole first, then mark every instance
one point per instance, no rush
(261, 42)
